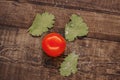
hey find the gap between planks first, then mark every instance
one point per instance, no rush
(93, 50)
(106, 6)
(101, 26)
(21, 56)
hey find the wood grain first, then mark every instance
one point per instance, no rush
(21, 56)
(15, 14)
(101, 26)
(102, 6)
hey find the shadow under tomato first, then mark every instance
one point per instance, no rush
(51, 62)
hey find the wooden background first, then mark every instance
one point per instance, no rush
(22, 59)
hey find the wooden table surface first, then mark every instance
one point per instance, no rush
(22, 59)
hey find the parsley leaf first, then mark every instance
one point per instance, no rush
(69, 65)
(76, 27)
(41, 23)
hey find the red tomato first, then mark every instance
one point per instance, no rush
(53, 44)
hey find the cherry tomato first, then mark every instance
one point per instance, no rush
(53, 44)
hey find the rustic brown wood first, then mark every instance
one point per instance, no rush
(21, 58)
(15, 14)
(102, 6)
(101, 26)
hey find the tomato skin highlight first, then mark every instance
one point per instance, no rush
(53, 44)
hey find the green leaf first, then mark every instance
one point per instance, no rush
(41, 24)
(69, 65)
(76, 27)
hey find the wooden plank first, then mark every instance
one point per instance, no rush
(101, 26)
(15, 14)
(21, 56)
(14, 71)
(103, 6)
